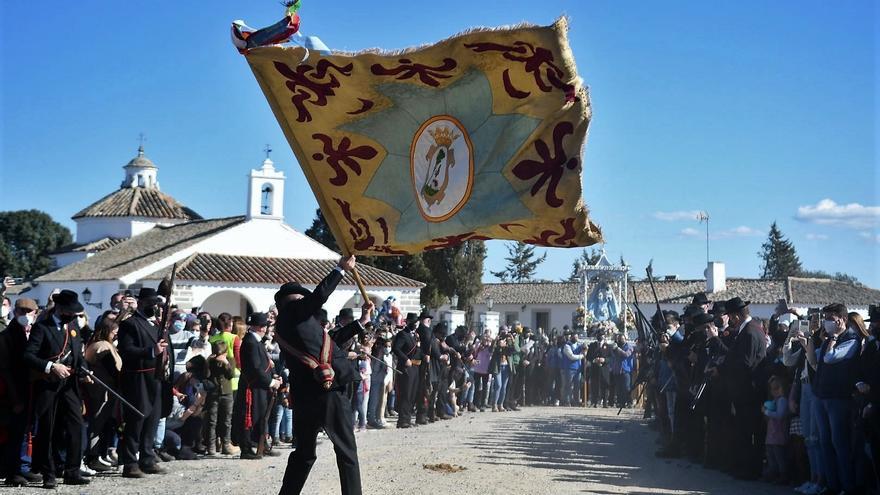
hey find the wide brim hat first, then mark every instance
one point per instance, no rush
(26, 303)
(700, 299)
(736, 304)
(67, 301)
(412, 317)
(290, 288)
(425, 314)
(258, 319)
(702, 319)
(692, 311)
(719, 308)
(346, 313)
(873, 313)
(148, 294)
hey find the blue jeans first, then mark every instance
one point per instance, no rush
(623, 383)
(360, 409)
(809, 428)
(499, 385)
(160, 434)
(570, 391)
(832, 418)
(468, 396)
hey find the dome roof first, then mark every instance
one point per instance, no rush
(140, 160)
(138, 202)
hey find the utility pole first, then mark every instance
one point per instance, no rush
(704, 217)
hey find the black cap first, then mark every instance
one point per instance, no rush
(700, 299)
(873, 313)
(258, 319)
(67, 301)
(719, 308)
(736, 304)
(702, 319)
(147, 293)
(290, 288)
(346, 313)
(425, 314)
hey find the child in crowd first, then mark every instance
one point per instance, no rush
(776, 411)
(219, 401)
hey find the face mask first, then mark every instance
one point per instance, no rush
(149, 311)
(25, 320)
(81, 321)
(179, 325)
(387, 351)
(830, 326)
(66, 318)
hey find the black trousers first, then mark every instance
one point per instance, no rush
(59, 416)
(103, 412)
(423, 396)
(140, 433)
(249, 438)
(515, 392)
(406, 391)
(331, 412)
(10, 459)
(746, 440)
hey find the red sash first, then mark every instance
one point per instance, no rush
(320, 365)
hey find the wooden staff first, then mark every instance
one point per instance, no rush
(357, 276)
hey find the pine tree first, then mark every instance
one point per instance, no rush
(521, 263)
(779, 257)
(320, 231)
(590, 257)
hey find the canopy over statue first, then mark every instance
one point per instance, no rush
(603, 288)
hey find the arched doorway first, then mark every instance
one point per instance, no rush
(228, 301)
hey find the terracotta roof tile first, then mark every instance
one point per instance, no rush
(264, 270)
(138, 202)
(795, 290)
(141, 250)
(90, 247)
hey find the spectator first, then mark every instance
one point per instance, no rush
(776, 411)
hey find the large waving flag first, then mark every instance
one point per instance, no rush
(476, 137)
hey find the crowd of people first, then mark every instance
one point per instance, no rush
(229, 390)
(790, 400)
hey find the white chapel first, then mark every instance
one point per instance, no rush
(132, 237)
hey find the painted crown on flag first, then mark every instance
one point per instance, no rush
(476, 137)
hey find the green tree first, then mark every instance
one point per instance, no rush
(522, 263)
(838, 276)
(778, 255)
(320, 231)
(590, 257)
(26, 238)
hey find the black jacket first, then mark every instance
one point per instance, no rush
(255, 369)
(299, 326)
(12, 368)
(48, 342)
(404, 347)
(742, 363)
(137, 340)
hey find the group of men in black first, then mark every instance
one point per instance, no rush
(51, 369)
(713, 352)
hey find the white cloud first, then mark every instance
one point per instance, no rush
(817, 237)
(853, 215)
(741, 231)
(674, 216)
(870, 237)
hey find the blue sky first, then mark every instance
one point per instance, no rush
(752, 111)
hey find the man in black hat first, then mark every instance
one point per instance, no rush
(424, 388)
(701, 301)
(599, 370)
(409, 357)
(438, 360)
(141, 347)
(257, 381)
(738, 372)
(54, 354)
(320, 372)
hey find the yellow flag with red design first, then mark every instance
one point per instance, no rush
(479, 136)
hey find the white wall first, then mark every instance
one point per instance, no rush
(95, 228)
(560, 314)
(101, 292)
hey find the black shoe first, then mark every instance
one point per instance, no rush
(96, 466)
(132, 471)
(271, 453)
(75, 480)
(404, 425)
(31, 476)
(186, 454)
(49, 482)
(250, 455)
(153, 469)
(165, 456)
(421, 421)
(16, 480)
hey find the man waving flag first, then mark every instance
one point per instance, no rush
(476, 137)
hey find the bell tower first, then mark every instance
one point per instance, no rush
(266, 191)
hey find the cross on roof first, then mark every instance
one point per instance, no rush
(267, 150)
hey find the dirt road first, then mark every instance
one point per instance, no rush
(535, 451)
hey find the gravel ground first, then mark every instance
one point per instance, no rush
(535, 451)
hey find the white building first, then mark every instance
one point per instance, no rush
(551, 305)
(133, 236)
